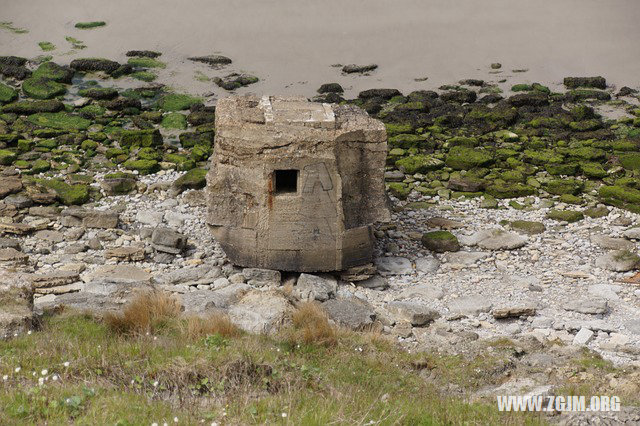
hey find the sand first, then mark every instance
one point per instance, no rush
(291, 44)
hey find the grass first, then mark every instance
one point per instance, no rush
(151, 364)
(144, 76)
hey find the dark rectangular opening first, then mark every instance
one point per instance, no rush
(286, 181)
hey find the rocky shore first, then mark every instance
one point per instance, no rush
(515, 215)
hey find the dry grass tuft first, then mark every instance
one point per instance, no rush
(311, 325)
(216, 323)
(145, 313)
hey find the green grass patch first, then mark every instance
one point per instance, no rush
(144, 76)
(108, 378)
(75, 43)
(177, 102)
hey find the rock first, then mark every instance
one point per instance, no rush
(53, 279)
(440, 241)
(605, 291)
(423, 291)
(415, 313)
(118, 274)
(125, 254)
(632, 233)
(313, 287)
(235, 81)
(150, 217)
(528, 227)
(262, 277)
(593, 82)
(101, 220)
(10, 185)
(168, 241)
(16, 228)
(193, 179)
(618, 261)
(583, 337)
(353, 68)
(470, 305)
(442, 223)
(358, 273)
(330, 88)
(214, 60)
(590, 306)
(565, 215)
(394, 266)
(374, 283)
(261, 312)
(94, 64)
(352, 313)
(206, 301)
(12, 257)
(513, 311)
(16, 304)
(143, 53)
(465, 258)
(118, 183)
(611, 243)
(427, 265)
(10, 243)
(495, 239)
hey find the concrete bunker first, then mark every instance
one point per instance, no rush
(296, 185)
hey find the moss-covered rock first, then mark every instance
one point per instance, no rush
(419, 164)
(54, 72)
(7, 94)
(144, 76)
(149, 153)
(630, 161)
(585, 94)
(118, 183)
(40, 166)
(182, 162)
(394, 129)
(461, 158)
(596, 212)
(141, 138)
(400, 190)
(562, 169)
(193, 179)
(60, 120)
(191, 139)
(144, 167)
(565, 215)
(564, 186)
(408, 140)
(177, 102)
(440, 241)
(68, 194)
(200, 152)
(7, 157)
(621, 196)
(99, 93)
(41, 88)
(174, 120)
(33, 107)
(145, 62)
(542, 157)
(89, 25)
(593, 170)
(501, 189)
(528, 227)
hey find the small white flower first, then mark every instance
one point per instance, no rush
(155, 384)
(155, 337)
(41, 381)
(175, 420)
(214, 423)
(284, 415)
(66, 364)
(5, 377)
(17, 370)
(154, 424)
(55, 377)
(44, 372)
(29, 332)
(165, 424)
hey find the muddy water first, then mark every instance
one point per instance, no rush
(291, 44)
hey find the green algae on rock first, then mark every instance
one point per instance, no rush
(54, 72)
(47, 46)
(193, 179)
(42, 88)
(144, 167)
(89, 25)
(461, 158)
(565, 215)
(60, 120)
(174, 120)
(68, 194)
(177, 102)
(7, 94)
(440, 241)
(141, 138)
(146, 63)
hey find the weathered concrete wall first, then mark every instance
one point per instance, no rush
(337, 158)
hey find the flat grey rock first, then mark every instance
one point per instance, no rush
(427, 265)
(611, 243)
(352, 313)
(618, 261)
(314, 287)
(394, 265)
(470, 305)
(591, 306)
(423, 291)
(465, 258)
(417, 314)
